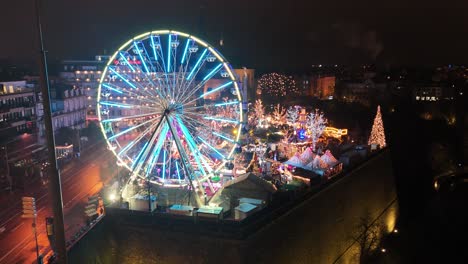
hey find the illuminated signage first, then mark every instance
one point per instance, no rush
(301, 134)
(130, 61)
(335, 132)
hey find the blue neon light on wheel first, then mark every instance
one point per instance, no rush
(167, 109)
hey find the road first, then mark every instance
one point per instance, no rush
(82, 179)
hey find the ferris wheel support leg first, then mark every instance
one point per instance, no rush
(210, 185)
(186, 162)
(146, 150)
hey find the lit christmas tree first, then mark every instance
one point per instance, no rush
(377, 135)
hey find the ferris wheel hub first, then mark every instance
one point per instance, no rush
(174, 108)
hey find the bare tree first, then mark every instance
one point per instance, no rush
(292, 115)
(316, 124)
(279, 114)
(367, 234)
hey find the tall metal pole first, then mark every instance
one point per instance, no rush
(10, 180)
(55, 185)
(35, 236)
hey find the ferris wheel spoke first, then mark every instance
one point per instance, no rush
(203, 82)
(130, 99)
(212, 136)
(194, 123)
(193, 148)
(125, 105)
(147, 77)
(232, 121)
(130, 129)
(169, 53)
(213, 118)
(140, 50)
(157, 149)
(224, 136)
(172, 60)
(158, 68)
(127, 62)
(127, 79)
(178, 170)
(181, 72)
(201, 137)
(211, 147)
(186, 51)
(155, 44)
(188, 82)
(129, 117)
(217, 89)
(194, 72)
(213, 105)
(159, 56)
(123, 78)
(144, 57)
(198, 66)
(182, 87)
(136, 140)
(163, 67)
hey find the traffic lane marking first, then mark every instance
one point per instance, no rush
(18, 226)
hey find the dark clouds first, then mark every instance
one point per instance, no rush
(355, 36)
(264, 34)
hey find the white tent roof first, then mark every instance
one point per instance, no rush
(294, 161)
(318, 163)
(329, 159)
(245, 207)
(307, 156)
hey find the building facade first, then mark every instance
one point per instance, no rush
(85, 74)
(427, 93)
(365, 92)
(323, 87)
(17, 109)
(251, 84)
(69, 108)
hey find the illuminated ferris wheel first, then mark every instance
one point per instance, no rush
(169, 106)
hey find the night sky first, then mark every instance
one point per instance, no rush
(267, 35)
